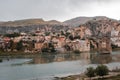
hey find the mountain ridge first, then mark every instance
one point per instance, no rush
(26, 22)
(98, 25)
(74, 22)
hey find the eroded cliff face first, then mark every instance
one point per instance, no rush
(28, 25)
(98, 28)
(83, 26)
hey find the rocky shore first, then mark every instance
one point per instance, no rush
(111, 76)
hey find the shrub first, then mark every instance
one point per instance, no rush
(102, 70)
(90, 72)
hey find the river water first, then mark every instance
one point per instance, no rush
(46, 67)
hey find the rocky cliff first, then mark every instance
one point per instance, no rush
(28, 25)
(99, 27)
(85, 26)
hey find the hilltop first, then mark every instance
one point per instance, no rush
(28, 22)
(97, 25)
(82, 20)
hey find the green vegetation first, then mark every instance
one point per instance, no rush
(12, 35)
(62, 33)
(19, 46)
(102, 70)
(67, 47)
(49, 48)
(47, 33)
(67, 34)
(71, 37)
(114, 46)
(90, 72)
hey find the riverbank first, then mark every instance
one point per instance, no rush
(113, 74)
(46, 67)
(21, 54)
(72, 77)
(18, 55)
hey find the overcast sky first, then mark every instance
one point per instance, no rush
(57, 9)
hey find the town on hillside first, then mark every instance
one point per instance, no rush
(76, 39)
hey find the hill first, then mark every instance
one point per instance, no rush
(28, 22)
(82, 20)
(28, 25)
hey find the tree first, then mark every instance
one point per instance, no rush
(12, 35)
(114, 46)
(90, 72)
(67, 47)
(49, 48)
(102, 70)
(11, 44)
(19, 46)
(71, 37)
(62, 33)
(47, 33)
(67, 34)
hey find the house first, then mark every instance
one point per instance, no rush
(47, 38)
(38, 46)
(115, 37)
(84, 45)
(104, 45)
(81, 45)
(17, 39)
(39, 31)
(6, 39)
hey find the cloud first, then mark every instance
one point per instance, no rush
(57, 9)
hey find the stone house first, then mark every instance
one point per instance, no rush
(104, 45)
(81, 45)
(38, 46)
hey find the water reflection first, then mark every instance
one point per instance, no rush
(71, 63)
(105, 58)
(87, 57)
(60, 57)
(101, 58)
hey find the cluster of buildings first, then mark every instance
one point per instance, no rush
(39, 41)
(115, 37)
(63, 41)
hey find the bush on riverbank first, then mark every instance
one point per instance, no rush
(90, 72)
(101, 70)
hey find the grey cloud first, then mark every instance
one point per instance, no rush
(50, 9)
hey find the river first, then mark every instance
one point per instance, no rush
(46, 67)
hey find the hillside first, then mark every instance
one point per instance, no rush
(28, 25)
(98, 28)
(28, 22)
(82, 20)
